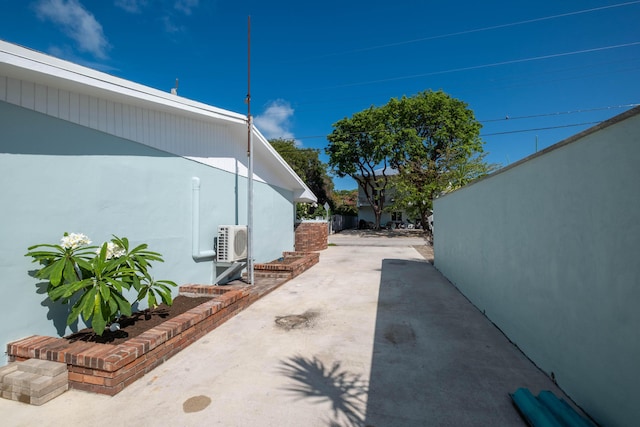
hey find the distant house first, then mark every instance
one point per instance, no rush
(84, 151)
(389, 218)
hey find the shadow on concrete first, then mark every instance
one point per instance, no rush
(345, 391)
(437, 360)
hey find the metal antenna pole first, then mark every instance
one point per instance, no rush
(250, 161)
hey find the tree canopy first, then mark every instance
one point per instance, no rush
(360, 147)
(431, 140)
(307, 164)
(346, 202)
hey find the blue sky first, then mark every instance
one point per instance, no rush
(533, 72)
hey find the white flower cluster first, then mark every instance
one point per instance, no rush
(113, 250)
(74, 240)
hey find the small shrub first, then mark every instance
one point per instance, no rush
(97, 276)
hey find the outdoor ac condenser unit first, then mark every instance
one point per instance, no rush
(232, 243)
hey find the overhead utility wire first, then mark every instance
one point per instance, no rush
(482, 135)
(520, 117)
(537, 129)
(495, 64)
(509, 86)
(588, 110)
(477, 30)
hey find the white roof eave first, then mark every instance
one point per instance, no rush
(21, 62)
(302, 193)
(26, 61)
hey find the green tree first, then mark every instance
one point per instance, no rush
(346, 202)
(431, 139)
(437, 148)
(361, 147)
(307, 164)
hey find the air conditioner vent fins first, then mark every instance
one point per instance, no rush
(232, 243)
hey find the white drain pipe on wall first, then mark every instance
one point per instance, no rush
(196, 253)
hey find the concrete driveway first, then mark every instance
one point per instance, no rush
(373, 335)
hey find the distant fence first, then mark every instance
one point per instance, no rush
(342, 222)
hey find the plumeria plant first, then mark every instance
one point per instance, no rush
(95, 277)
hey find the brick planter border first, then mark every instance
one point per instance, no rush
(311, 236)
(108, 368)
(302, 261)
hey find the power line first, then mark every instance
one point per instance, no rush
(558, 113)
(303, 106)
(495, 64)
(483, 135)
(539, 129)
(477, 30)
(584, 110)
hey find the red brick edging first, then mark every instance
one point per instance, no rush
(292, 264)
(311, 236)
(108, 368)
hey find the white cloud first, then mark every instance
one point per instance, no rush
(169, 26)
(275, 122)
(186, 6)
(77, 23)
(131, 6)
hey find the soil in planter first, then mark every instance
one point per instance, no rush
(137, 323)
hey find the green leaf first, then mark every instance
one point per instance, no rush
(166, 297)
(167, 283)
(142, 293)
(123, 304)
(135, 282)
(57, 292)
(84, 264)
(115, 284)
(113, 306)
(104, 291)
(45, 273)
(88, 302)
(69, 273)
(99, 320)
(56, 272)
(151, 299)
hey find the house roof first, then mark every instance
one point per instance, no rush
(17, 62)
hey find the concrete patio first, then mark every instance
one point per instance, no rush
(376, 337)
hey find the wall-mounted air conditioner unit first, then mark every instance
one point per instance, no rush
(232, 243)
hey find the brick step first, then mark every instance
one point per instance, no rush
(33, 381)
(274, 274)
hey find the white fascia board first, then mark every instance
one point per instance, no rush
(304, 194)
(86, 80)
(24, 63)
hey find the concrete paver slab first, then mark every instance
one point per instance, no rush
(388, 342)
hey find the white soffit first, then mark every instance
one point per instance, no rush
(24, 63)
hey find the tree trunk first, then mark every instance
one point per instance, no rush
(378, 213)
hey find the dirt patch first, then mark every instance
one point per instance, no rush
(296, 321)
(142, 321)
(196, 404)
(285, 260)
(400, 333)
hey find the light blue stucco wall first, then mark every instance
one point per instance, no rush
(60, 177)
(549, 249)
